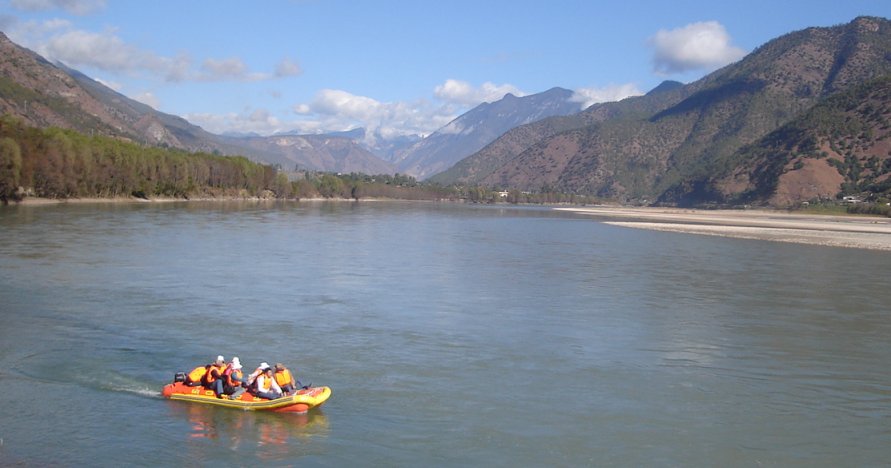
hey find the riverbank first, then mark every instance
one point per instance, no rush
(862, 232)
(30, 201)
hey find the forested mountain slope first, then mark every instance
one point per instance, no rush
(686, 136)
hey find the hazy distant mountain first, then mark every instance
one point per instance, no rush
(44, 94)
(478, 127)
(386, 148)
(686, 144)
(317, 152)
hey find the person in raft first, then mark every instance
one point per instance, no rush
(213, 379)
(197, 376)
(233, 379)
(267, 387)
(256, 373)
(284, 379)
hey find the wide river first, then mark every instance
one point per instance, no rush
(451, 335)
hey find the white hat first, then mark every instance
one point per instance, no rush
(236, 364)
(220, 358)
(264, 366)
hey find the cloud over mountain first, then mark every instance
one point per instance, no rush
(58, 40)
(463, 93)
(590, 96)
(696, 46)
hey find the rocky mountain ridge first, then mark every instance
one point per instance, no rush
(44, 94)
(479, 126)
(676, 145)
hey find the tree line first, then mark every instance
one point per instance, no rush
(58, 163)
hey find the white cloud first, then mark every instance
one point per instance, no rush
(57, 40)
(259, 121)
(287, 67)
(463, 93)
(342, 103)
(148, 99)
(333, 110)
(337, 110)
(103, 51)
(110, 84)
(232, 68)
(77, 7)
(703, 45)
(590, 96)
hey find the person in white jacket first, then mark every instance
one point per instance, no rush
(267, 386)
(253, 376)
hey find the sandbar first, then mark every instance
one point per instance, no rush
(861, 232)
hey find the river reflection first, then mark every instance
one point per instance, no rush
(268, 436)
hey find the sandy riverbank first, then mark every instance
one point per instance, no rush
(863, 232)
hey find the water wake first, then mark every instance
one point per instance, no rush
(143, 391)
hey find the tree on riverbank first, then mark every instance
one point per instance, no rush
(56, 163)
(60, 164)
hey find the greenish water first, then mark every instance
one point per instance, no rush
(450, 335)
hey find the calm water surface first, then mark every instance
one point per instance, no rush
(450, 335)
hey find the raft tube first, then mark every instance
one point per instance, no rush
(301, 402)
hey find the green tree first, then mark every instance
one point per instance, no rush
(10, 168)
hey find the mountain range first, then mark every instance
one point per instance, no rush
(50, 94)
(478, 127)
(46, 94)
(803, 117)
(708, 141)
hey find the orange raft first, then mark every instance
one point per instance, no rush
(301, 402)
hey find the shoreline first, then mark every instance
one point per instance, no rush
(860, 232)
(37, 201)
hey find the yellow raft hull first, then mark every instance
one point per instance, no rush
(301, 402)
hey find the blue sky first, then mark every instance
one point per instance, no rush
(398, 67)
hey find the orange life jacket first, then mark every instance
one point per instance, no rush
(283, 377)
(197, 373)
(209, 377)
(231, 382)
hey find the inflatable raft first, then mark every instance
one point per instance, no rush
(301, 402)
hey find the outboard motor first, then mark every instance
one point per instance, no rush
(179, 377)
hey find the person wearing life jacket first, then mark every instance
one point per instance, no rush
(195, 378)
(266, 386)
(233, 379)
(284, 379)
(251, 379)
(213, 379)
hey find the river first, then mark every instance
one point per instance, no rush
(451, 335)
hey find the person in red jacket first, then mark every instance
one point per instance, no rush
(233, 379)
